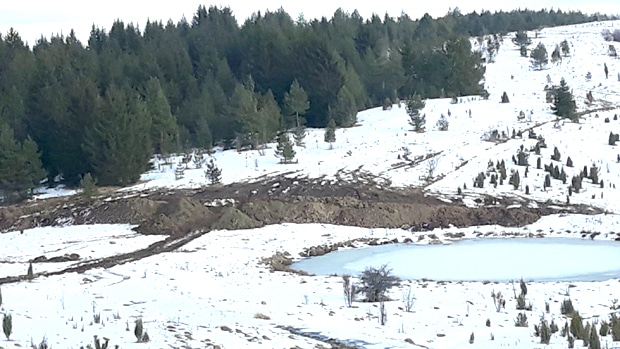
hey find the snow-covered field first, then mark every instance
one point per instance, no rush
(214, 291)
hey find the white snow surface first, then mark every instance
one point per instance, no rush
(185, 297)
(370, 151)
(216, 280)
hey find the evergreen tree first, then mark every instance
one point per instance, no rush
(20, 166)
(343, 111)
(244, 106)
(564, 105)
(284, 149)
(442, 123)
(213, 173)
(88, 186)
(413, 107)
(118, 143)
(330, 133)
(269, 117)
(164, 129)
(565, 48)
(296, 104)
(539, 57)
(521, 39)
(299, 133)
(556, 55)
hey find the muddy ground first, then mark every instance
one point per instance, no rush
(183, 215)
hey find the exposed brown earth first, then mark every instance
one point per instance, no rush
(183, 215)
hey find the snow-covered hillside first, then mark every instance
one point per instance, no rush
(215, 293)
(378, 144)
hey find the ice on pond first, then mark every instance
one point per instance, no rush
(536, 259)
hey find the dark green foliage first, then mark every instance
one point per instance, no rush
(413, 107)
(521, 320)
(138, 330)
(479, 180)
(213, 173)
(442, 123)
(20, 166)
(569, 162)
(594, 341)
(164, 129)
(376, 281)
(296, 104)
(565, 48)
(547, 181)
(562, 176)
(118, 143)
(556, 154)
(330, 133)
(88, 186)
(563, 102)
(566, 308)
(613, 138)
(29, 272)
(471, 338)
(505, 98)
(284, 149)
(521, 39)
(7, 325)
(594, 174)
(604, 329)
(544, 332)
(615, 328)
(523, 51)
(523, 287)
(576, 327)
(539, 57)
(522, 158)
(538, 163)
(576, 183)
(299, 133)
(553, 327)
(521, 305)
(515, 180)
(179, 81)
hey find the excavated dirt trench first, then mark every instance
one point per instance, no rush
(183, 215)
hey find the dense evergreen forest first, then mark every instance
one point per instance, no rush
(104, 107)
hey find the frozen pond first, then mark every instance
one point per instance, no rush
(540, 259)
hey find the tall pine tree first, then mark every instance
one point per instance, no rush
(20, 166)
(118, 143)
(296, 104)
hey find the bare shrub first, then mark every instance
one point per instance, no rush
(408, 300)
(348, 289)
(376, 281)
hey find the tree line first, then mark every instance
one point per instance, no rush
(103, 107)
